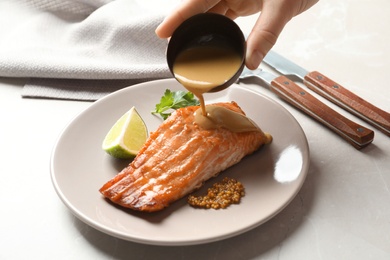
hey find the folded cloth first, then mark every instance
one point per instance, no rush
(80, 49)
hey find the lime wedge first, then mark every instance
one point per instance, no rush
(127, 136)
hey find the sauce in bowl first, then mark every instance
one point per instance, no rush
(206, 53)
(202, 68)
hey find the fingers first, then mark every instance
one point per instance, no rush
(265, 33)
(232, 15)
(274, 16)
(184, 11)
(220, 8)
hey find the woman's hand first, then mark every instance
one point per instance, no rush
(274, 16)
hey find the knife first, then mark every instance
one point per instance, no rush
(355, 134)
(332, 91)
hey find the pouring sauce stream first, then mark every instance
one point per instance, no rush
(202, 68)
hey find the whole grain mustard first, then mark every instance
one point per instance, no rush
(220, 195)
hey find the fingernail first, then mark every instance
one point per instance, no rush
(253, 59)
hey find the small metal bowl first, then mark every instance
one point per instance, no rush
(208, 29)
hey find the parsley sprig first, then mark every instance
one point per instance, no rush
(172, 100)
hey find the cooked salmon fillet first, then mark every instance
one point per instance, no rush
(177, 159)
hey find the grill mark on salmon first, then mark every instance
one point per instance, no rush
(177, 159)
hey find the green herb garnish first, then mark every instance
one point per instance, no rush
(173, 100)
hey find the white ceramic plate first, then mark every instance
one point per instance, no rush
(271, 177)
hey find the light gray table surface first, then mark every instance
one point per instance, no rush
(341, 212)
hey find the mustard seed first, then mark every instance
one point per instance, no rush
(220, 195)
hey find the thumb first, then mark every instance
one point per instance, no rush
(265, 33)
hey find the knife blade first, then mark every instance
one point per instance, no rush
(332, 91)
(355, 134)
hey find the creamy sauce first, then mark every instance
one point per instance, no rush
(199, 70)
(217, 116)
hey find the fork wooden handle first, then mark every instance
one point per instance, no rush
(344, 98)
(355, 134)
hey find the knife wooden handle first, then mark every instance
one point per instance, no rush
(355, 134)
(348, 100)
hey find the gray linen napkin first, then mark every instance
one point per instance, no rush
(80, 49)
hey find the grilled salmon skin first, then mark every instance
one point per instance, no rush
(177, 159)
